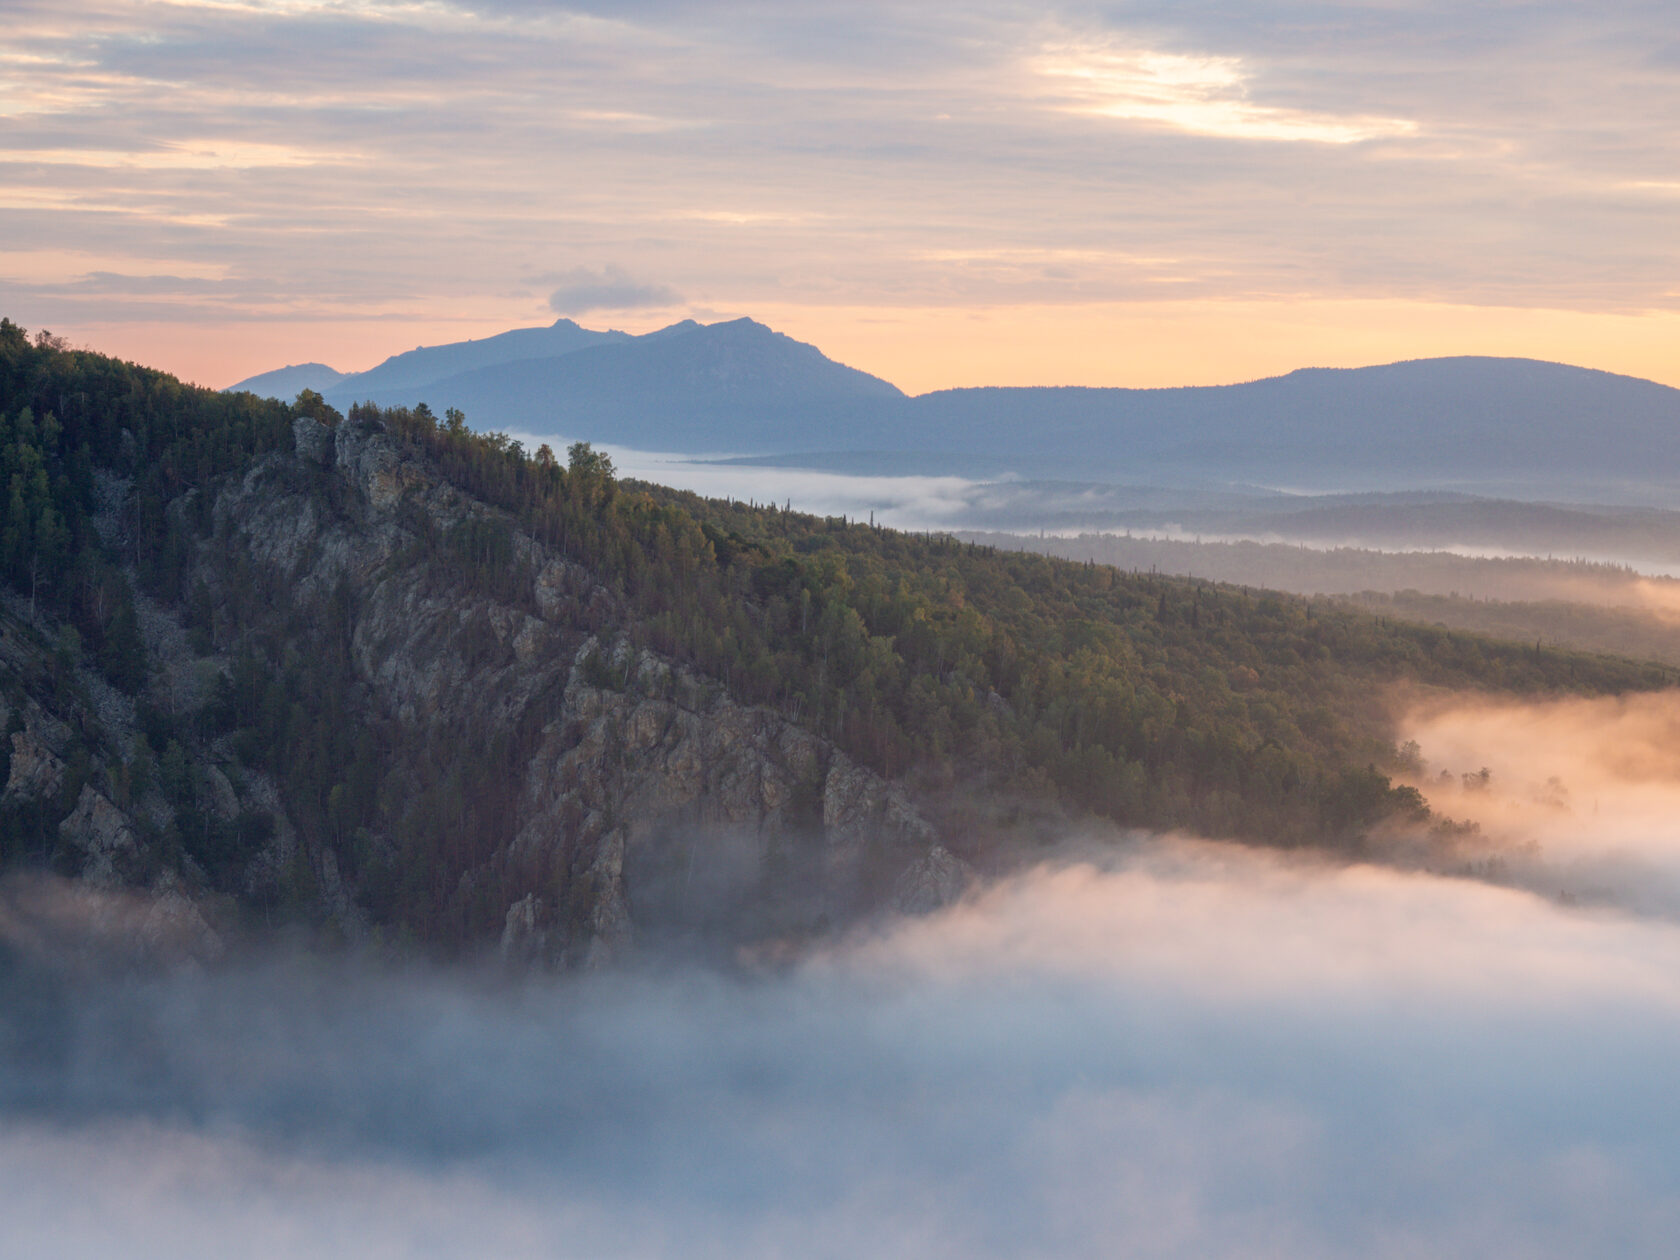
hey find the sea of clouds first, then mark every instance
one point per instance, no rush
(1192, 1050)
(1150, 1047)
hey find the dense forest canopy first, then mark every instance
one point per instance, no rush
(971, 674)
(1147, 700)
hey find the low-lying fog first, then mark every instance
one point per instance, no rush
(1294, 542)
(1581, 799)
(1152, 1047)
(901, 502)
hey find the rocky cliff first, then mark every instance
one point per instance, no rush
(636, 799)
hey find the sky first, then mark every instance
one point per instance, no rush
(1133, 193)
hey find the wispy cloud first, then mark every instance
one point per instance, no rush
(582, 290)
(183, 155)
(1201, 95)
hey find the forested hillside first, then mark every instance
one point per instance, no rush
(1149, 700)
(1579, 604)
(981, 681)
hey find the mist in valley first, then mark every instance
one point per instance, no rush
(1143, 1046)
(1601, 579)
(1575, 798)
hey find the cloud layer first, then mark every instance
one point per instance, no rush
(1580, 799)
(1181, 1049)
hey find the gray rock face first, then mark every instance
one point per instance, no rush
(651, 805)
(936, 880)
(36, 772)
(523, 939)
(170, 926)
(71, 922)
(664, 806)
(314, 441)
(101, 832)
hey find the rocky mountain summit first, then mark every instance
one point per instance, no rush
(642, 800)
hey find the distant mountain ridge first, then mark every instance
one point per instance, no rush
(288, 382)
(1445, 420)
(425, 365)
(729, 386)
(1504, 426)
(691, 387)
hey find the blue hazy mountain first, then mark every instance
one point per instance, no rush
(734, 386)
(288, 382)
(417, 368)
(1436, 421)
(425, 365)
(1506, 427)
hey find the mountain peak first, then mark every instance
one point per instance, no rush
(288, 382)
(672, 330)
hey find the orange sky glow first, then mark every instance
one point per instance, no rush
(1131, 345)
(942, 194)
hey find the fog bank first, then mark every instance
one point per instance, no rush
(1185, 1050)
(1581, 797)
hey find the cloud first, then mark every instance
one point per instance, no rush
(1166, 1048)
(180, 156)
(1201, 95)
(900, 501)
(1580, 798)
(582, 290)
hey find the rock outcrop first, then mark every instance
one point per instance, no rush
(644, 802)
(101, 833)
(650, 804)
(36, 772)
(936, 880)
(656, 802)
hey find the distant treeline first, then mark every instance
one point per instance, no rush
(1569, 603)
(1631, 632)
(1348, 570)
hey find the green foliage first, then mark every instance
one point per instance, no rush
(64, 413)
(76, 429)
(587, 463)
